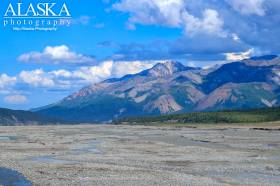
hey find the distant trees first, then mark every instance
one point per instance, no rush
(248, 116)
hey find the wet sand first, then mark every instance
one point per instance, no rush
(142, 155)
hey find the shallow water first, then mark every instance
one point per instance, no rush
(7, 138)
(92, 148)
(4, 138)
(51, 159)
(10, 177)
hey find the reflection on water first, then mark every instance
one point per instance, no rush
(10, 177)
(92, 148)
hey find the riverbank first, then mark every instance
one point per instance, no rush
(143, 155)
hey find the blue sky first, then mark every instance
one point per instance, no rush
(110, 38)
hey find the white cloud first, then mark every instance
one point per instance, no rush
(95, 73)
(172, 13)
(235, 37)
(6, 80)
(7, 83)
(15, 99)
(109, 69)
(62, 79)
(36, 78)
(210, 23)
(123, 68)
(163, 12)
(248, 7)
(239, 56)
(61, 73)
(56, 55)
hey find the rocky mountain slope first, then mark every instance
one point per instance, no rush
(171, 87)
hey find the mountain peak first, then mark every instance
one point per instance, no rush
(163, 69)
(172, 64)
(167, 68)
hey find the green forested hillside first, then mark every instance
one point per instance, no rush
(20, 117)
(249, 116)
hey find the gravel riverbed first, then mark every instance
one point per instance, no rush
(142, 155)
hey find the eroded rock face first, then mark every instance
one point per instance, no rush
(165, 104)
(234, 95)
(220, 95)
(194, 94)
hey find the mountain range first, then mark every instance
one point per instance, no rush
(19, 117)
(172, 88)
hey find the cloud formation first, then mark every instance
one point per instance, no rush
(62, 79)
(202, 47)
(149, 12)
(239, 56)
(6, 80)
(35, 78)
(6, 83)
(210, 23)
(248, 6)
(56, 55)
(15, 99)
(171, 13)
(207, 25)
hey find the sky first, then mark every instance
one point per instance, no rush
(111, 38)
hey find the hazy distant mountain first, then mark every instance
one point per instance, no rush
(171, 87)
(19, 117)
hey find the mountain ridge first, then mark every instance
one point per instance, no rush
(171, 87)
(10, 117)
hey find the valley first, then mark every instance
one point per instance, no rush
(142, 155)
